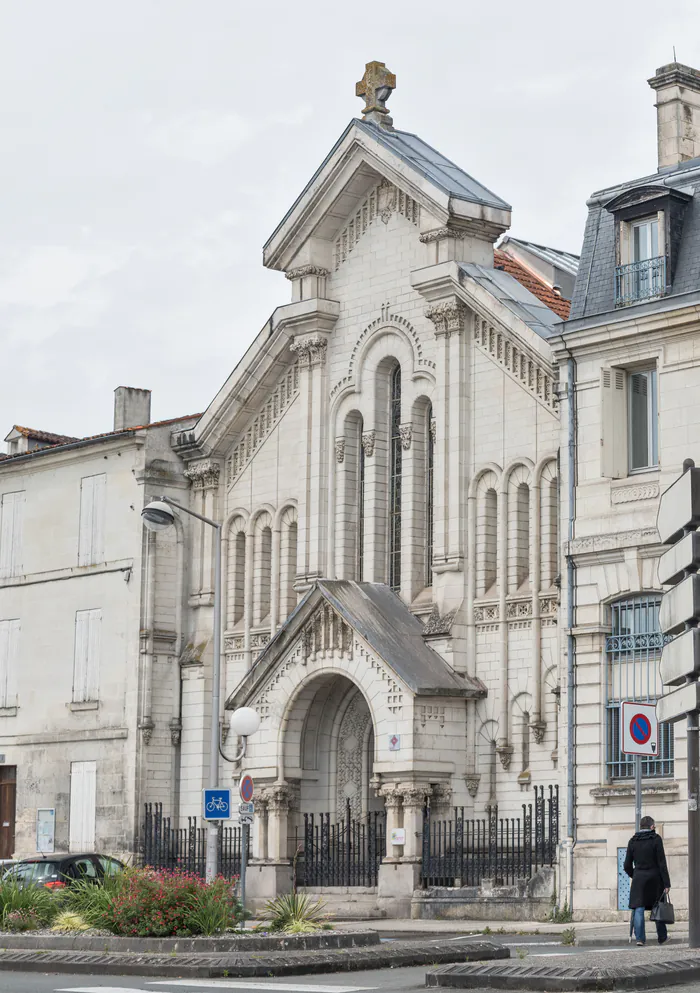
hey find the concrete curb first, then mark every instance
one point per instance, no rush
(234, 964)
(249, 943)
(559, 979)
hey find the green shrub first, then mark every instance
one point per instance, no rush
(67, 920)
(36, 901)
(294, 913)
(92, 902)
(20, 920)
(214, 909)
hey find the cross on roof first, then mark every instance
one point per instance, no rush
(376, 86)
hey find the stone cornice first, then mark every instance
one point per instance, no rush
(591, 544)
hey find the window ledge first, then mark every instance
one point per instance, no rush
(8, 711)
(77, 706)
(665, 790)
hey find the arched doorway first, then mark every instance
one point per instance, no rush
(329, 748)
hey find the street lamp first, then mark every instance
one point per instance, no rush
(157, 516)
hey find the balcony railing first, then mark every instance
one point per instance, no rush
(640, 281)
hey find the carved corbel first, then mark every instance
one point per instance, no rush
(175, 727)
(311, 349)
(368, 440)
(340, 450)
(203, 475)
(505, 754)
(472, 781)
(538, 729)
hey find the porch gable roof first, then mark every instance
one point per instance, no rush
(388, 627)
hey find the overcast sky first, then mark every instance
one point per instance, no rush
(151, 146)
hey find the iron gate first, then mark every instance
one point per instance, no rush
(462, 852)
(346, 853)
(167, 847)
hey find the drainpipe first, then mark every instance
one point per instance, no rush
(570, 643)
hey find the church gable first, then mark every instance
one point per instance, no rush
(383, 200)
(263, 424)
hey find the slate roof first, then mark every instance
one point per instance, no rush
(385, 623)
(553, 256)
(516, 297)
(537, 286)
(594, 292)
(433, 165)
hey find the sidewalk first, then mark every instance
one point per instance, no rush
(592, 934)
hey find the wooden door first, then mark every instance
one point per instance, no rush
(8, 788)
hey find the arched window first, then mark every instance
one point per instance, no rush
(429, 498)
(395, 466)
(486, 535)
(263, 569)
(633, 650)
(360, 503)
(519, 552)
(288, 562)
(235, 567)
(548, 526)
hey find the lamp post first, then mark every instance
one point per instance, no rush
(157, 516)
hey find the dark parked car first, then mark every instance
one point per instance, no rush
(57, 871)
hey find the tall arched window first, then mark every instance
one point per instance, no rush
(263, 569)
(486, 535)
(238, 578)
(360, 497)
(429, 499)
(395, 465)
(633, 650)
(288, 562)
(548, 526)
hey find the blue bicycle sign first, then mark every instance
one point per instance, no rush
(216, 805)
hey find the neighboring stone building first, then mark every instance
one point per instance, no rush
(631, 349)
(90, 631)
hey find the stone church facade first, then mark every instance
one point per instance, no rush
(384, 462)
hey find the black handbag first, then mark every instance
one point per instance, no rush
(662, 911)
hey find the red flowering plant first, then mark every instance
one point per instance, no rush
(163, 903)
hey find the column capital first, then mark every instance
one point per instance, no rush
(280, 796)
(391, 795)
(203, 475)
(311, 348)
(368, 440)
(448, 316)
(414, 794)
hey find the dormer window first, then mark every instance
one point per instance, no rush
(648, 226)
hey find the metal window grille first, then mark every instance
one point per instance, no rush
(429, 504)
(632, 652)
(395, 483)
(640, 281)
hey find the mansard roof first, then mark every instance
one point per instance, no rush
(387, 626)
(362, 153)
(594, 293)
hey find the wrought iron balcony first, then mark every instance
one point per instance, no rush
(640, 281)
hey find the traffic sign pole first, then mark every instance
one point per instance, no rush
(245, 828)
(693, 832)
(637, 792)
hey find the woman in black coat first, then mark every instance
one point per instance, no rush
(645, 863)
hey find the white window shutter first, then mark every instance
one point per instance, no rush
(11, 528)
(9, 647)
(80, 657)
(86, 513)
(92, 680)
(83, 795)
(613, 415)
(98, 518)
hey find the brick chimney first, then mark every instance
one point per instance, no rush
(132, 407)
(677, 113)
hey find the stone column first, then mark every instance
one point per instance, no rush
(280, 799)
(413, 796)
(311, 347)
(204, 477)
(392, 804)
(259, 846)
(270, 873)
(450, 453)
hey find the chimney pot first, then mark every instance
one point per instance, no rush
(132, 407)
(677, 113)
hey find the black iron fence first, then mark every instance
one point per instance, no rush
(166, 847)
(463, 852)
(346, 853)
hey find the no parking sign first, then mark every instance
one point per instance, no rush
(640, 729)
